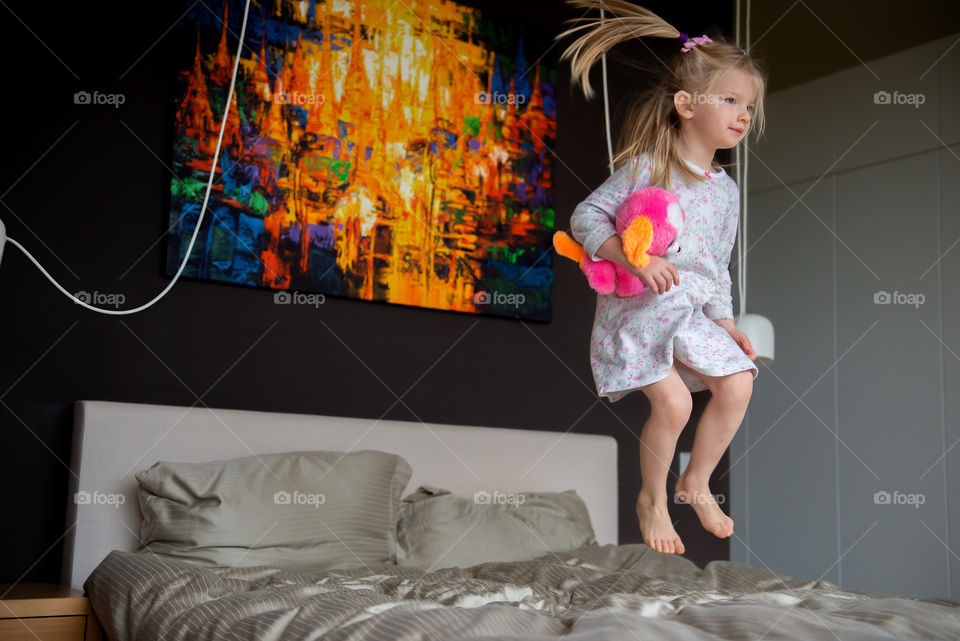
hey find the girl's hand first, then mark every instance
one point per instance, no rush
(744, 344)
(659, 275)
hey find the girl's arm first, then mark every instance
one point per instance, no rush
(720, 307)
(592, 222)
(612, 249)
(727, 324)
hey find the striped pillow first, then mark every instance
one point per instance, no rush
(324, 509)
(438, 529)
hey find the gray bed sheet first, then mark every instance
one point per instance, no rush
(596, 592)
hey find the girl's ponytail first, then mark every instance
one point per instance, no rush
(627, 22)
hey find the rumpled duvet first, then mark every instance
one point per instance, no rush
(596, 592)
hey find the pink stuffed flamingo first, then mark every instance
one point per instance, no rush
(648, 222)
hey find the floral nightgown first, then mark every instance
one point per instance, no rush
(635, 339)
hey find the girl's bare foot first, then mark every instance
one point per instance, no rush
(656, 527)
(698, 495)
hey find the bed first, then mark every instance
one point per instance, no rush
(602, 590)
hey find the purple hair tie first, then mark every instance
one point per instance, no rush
(689, 44)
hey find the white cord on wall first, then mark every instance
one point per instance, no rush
(606, 105)
(742, 177)
(216, 155)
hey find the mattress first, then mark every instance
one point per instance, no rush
(594, 592)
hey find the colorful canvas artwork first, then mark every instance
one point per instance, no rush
(374, 149)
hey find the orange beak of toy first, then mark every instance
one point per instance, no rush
(636, 241)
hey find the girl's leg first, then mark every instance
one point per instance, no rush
(720, 421)
(670, 406)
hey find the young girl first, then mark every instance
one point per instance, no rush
(678, 336)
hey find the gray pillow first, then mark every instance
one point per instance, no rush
(437, 529)
(324, 509)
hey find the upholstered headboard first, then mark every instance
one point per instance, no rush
(113, 441)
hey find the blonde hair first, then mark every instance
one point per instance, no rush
(652, 124)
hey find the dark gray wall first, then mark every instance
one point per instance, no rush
(85, 190)
(849, 198)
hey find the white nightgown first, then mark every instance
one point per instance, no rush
(635, 339)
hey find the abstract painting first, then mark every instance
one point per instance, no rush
(382, 150)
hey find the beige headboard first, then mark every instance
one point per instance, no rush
(112, 441)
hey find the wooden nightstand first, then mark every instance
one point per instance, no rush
(32, 611)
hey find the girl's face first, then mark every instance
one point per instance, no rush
(720, 120)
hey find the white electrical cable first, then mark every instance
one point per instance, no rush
(216, 155)
(606, 105)
(739, 161)
(742, 253)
